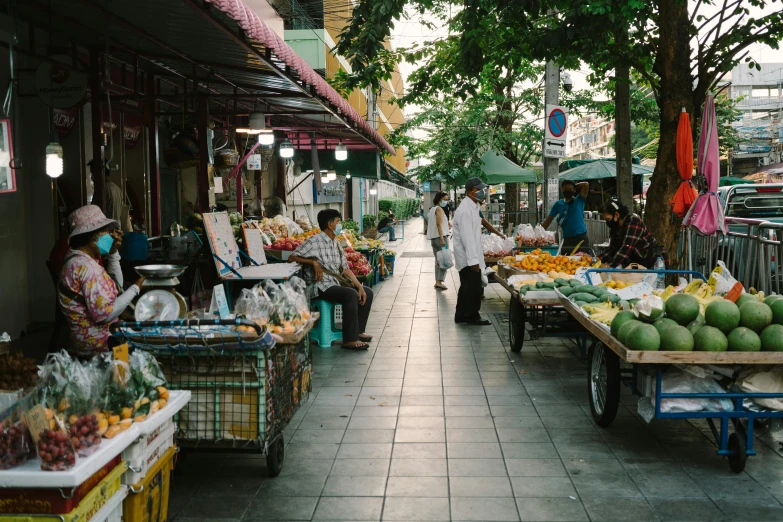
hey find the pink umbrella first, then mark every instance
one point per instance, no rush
(706, 213)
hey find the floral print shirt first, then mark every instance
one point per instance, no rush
(86, 294)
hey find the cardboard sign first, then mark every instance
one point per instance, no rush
(254, 162)
(219, 303)
(121, 354)
(218, 181)
(36, 421)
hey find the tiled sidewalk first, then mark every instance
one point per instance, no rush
(440, 422)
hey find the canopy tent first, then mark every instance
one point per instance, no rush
(499, 169)
(727, 181)
(572, 163)
(600, 169)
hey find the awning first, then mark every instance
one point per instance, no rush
(499, 169)
(599, 170)
(573, 163)
(219, 46)
(727, 181)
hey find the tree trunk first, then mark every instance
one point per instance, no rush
(673, 67)
(622, 101)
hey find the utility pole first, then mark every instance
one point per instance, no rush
(550, 190)
(622, 122)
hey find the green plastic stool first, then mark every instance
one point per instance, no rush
(325, 332)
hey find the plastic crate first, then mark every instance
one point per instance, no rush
(54, 501)
(148, 501)
(112, 510)
(136, 450)
(89, 505)
(142, 462)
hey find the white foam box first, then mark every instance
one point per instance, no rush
(112, 510)
(143, 455)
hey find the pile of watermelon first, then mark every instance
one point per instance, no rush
(749, 325)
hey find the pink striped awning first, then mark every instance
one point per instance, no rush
(256, 29)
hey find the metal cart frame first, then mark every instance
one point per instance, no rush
(605, 375)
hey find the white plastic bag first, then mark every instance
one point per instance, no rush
(680, 382)
(763, 380)
(721, 280)
(526, 235)
(444, 258)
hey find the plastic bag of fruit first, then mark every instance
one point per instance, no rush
(14, 436)
(543, 237)
(526, 235)
(50, 437)
(82, 392)
(119, 397)
(254, 305)
(150, 385)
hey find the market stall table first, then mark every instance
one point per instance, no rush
(535, 307)
(605, 375)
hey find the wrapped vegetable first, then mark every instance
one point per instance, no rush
(14, 436)
(82, 392)
(149, 383)
(119, 397)
(51, 439)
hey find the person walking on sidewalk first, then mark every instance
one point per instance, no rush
(438, 233)
(468, 253)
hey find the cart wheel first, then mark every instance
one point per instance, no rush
(603, 384)
(275, 456)
(738, 457)
(516, 324)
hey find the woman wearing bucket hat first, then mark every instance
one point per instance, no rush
(88, 296)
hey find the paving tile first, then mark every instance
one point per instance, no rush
(368, 436)
(421, 423)
(419, 450)
(421, 411)
(686, 509)
(551, 509)
(488, 509)
(542, 487)
(471, 435)
(417, 486)
(210, 506)
(372, 423)
(616, 509)
(349, 508)
(419, 435)
(535, 468)
(479, 487)
(354, 487)
(477, 468)
(418, 468)
(750, 509)
(360, 467)
(608, 486)
(281, 508)
(365, 451)
(408, 508)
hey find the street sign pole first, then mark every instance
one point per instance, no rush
(551, 97)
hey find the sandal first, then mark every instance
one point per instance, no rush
(365, 338)
(358, 346)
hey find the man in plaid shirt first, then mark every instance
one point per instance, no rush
(322, 252)
(630, 241)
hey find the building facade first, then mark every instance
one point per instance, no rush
(589, 136)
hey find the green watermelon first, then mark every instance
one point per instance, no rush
(710, 339)
(622, 333)
(723, 315)
(747, 298)
(755, 315)
(620, 319)
(643, 337)
(772, 338)
(694, 325)
(663, 323)
(744, 340)
(676, 338)
(683, 308)
(777, 311)
(771, 299)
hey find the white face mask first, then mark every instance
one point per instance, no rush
(444, 203)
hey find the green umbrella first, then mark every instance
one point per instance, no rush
(601, 169)
(499, 169)
(727, 181)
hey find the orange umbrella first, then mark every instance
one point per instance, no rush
(686, 194)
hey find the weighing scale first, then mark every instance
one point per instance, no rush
(160, 282)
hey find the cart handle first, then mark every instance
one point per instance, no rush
(114, 327)
(645, 271)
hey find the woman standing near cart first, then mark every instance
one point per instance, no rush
(629, 239)
(437, 233)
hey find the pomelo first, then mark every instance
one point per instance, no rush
(744, 340)
(620, 319)
(622, 333)
(747, 298)
(723, 315)
(676, 338)
(710, 339)
(755, 315)
(771, 299)
(650, 309)
(696, 324)
(772, 338)
(643, 337)
(683, 308)
(777, 311)
(664, 323)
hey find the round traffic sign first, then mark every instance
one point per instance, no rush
(557, 123)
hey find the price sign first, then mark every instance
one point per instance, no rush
(36, 421)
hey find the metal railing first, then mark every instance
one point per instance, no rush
(751, 250)
(597, 230)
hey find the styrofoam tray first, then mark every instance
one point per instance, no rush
(152, 452)
(30, 474)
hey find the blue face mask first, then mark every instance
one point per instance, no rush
(105, 243)
(338, 229)
(481, 195)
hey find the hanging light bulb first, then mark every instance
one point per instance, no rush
(332, 175)
(266, 137)
(54, 160)
(256, 123)
(324, 176)
(348, 174)
(341, 152)
(286, 149)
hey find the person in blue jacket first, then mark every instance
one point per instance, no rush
(569, 213)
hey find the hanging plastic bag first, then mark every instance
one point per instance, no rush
(444, 258)
(200, 297)
(52, 441)
(14, 435)
(526, 235)
(150, 385)
(119, 397)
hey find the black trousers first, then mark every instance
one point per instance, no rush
(354, 315)
(469, 296)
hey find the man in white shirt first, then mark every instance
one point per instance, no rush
(468, 253)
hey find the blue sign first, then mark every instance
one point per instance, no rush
(425, 187)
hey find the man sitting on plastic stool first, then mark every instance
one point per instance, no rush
(324, 261)
(387, 225)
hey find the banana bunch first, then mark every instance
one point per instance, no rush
(603, 312)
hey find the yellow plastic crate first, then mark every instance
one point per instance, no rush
(148, 501)
(89, 505)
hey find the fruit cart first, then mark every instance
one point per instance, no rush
(245, 387)
(542, 309)
(611, 363)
